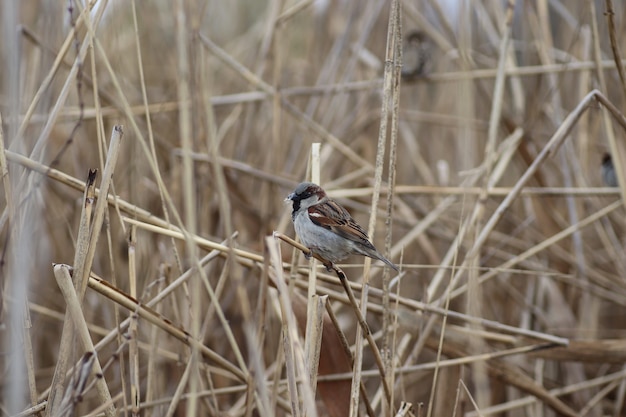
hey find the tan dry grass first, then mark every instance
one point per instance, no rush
(512, 293)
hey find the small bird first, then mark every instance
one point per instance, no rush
(416, 55)
(327, 229)
(608, 171)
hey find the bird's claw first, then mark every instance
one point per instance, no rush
(328, 264)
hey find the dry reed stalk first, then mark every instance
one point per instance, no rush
(84, 260)
(75, 312)
(343, 406)
(146, 110)
(55, 67)
(393, 37)
(6, 179)
(201, 242)
(559, 136)
(246, 168)
(548, 242)
(185, 130)
(31, 35)
(618, 150)
(345, 87)
(233, 267)
(313, 338)
(301, 394)
(404, 409)
(475, 219)
(84, 255)
(420, 306)
(359, 310)
(180, 387)
(526, 401)
(82, 245)
(302, 118)
(133, 352)
(125, 324)
(555, 253)
(150, 392)
(610, 13)
(513, 376)
(389, 342)
(151, 316)
(164, 193)
(314, 313)
(153, 302)
(359, 315)
(77, 184)
(38, 148)
(10, 214)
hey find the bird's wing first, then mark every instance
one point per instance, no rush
(335, 218)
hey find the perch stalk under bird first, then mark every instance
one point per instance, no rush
(327, 229)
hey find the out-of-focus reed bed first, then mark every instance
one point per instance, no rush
(476, 167)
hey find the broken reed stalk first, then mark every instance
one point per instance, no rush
(156, 301)
(75, 312)
(89, 233)
(313, 338)
(80, 254)
(297, 374)
(355, 307)
(83, 267)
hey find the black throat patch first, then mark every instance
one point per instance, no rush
(296, 207)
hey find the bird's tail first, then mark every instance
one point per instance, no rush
(376, 255)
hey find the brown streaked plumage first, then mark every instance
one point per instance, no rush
(327, 229)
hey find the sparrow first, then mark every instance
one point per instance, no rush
(416, 54)
(327, 229)
(608, 171)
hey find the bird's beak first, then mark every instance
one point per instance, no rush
(289, 197)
